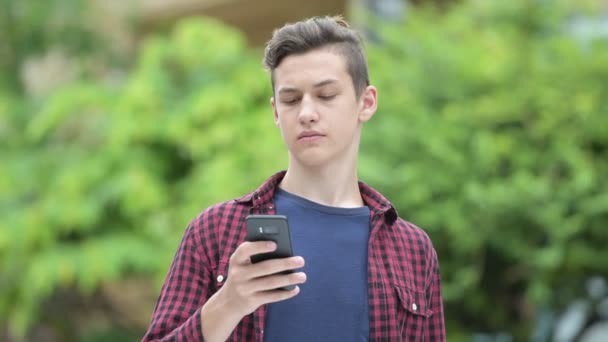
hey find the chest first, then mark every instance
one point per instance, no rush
(393, 263)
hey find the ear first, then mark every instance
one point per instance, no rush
(274, 110)
(368, 103)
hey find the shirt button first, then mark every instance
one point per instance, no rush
(414, 306)
(220, 278)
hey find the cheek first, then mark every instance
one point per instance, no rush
(285, 124)
(347, 126)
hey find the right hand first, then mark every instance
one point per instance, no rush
(249, 286)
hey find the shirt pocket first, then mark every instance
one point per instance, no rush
(412, 313)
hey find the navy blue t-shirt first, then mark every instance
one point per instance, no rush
(332, 305)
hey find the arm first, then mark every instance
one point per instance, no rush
(184, 311)
(435, 328)
(177, 315)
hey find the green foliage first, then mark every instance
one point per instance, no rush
(30, 27)
(493, 127)
(492, 134)
(101, 182)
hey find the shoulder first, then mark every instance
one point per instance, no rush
(220, 215)
(412, 231)
(221, 224)
(217, 230)
(415, 236)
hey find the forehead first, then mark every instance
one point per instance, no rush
(300, 70)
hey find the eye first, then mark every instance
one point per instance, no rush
(290, 101)
(327, 97)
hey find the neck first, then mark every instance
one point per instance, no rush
(334, 185)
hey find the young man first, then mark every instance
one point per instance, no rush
(362, 272)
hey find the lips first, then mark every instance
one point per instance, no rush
(309, 135)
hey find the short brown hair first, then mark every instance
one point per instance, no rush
(319, 32)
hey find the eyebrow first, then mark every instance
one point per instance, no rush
(316, 85)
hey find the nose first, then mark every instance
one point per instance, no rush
(308, 111)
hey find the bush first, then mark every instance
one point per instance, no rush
(492, 134)
(101, 182)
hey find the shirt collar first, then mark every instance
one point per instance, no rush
(264, 194)
(377, 203)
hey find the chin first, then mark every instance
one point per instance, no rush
(312, 158)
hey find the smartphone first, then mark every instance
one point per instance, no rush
(271, 228)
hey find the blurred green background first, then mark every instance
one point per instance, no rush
(116, 129)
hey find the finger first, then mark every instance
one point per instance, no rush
(273, 266)
(243, 253)
(276, 281)
(276, 295)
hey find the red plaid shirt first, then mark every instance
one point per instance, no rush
(405, 301)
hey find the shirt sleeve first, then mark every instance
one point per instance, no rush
(177, 315)
(435, 329)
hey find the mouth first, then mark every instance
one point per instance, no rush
(310, 135)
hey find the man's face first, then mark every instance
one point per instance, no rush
(316, 108)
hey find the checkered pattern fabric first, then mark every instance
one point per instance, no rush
(405, 302)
